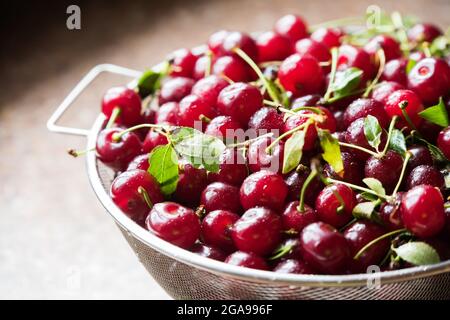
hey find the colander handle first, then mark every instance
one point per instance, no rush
(77, 90)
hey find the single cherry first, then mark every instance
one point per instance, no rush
(215, 42)
(389, 45)
(363, 107)
(292, 266)
(273, 47)
(313, 48)
(329, 37)
(420, 155)
(175, 89)
(190, 185)
(216, 229)
(295, 180)
(425, 174)
(355, 135)
(395, 70)
(232, 168)
(201, 65)
(386, 170)
(384, 89)
(292, 27)
(208, 252)
(390, 213)
(127, 100)
(168, 114)
(351, 56)
(259, 158)
(409, 101)
(221, 196)
(353, 169)
(231, 67)
(334, 205)
(295, 220)
(242, 41)
(443, 142)
(265, 120)
(223, 127)
(182, 63)
(139, 162)
(152, 140)
(192, 108)
(209, 88)
(247, 260)
(424, 32)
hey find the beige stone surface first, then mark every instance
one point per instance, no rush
(55, 239)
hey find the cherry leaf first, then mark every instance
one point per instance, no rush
(417, 253)
(397, 142)
(331, 151)
(410, 65)
(375, 185)
(150, 80)
(345, 82)
(164, 168)
(436, 114)
(293, 150)
(372, 131)
(364, 210)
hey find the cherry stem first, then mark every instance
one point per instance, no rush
(144, 194)
(382, 60)
(74, 153)
(208, 67)
(426, 49)
(118, 135)
(112, 119)
(397, 21)
(282, 251)
(278, 106)
(334, 99)
(287, 133)
(371, 243)
(258, 71)
(348, 145)
(341, 201)
(247, 142)
(309, 179)
(270, 63)
(403, 105)
(204, 118)
(334, 58)
(230, 81)
(391, 128)
(353, 186)
(402, 173)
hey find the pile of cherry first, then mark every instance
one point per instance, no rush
(356, 177)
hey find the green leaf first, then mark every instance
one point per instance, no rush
(436, 114)
(397, 142)
(372, 131)
(364, 210)
(293, 150)
(345, 82)
(150, 81)
(369, 196)
(331, 151)
(410, 65)
(164, 168)
(417, 253)
(436, 153)
(447, 179)
(198, 148)
(440, 46)
(375, 185)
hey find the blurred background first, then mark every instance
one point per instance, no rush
(56, 241)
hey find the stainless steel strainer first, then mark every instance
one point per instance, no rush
(185, 275)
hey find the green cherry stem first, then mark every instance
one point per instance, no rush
(402, 173)
(348, 145)
(287, 133)
(209, 56)
(334, 58)
(247, 142)
(74, 153)
(353, 186)
(143, 193)
(309, 179)
(112, 119)
(403, 105)
(371, 243)
(382, 61)
(118, 135)
(391, 128)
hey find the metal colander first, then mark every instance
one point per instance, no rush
(185, 275)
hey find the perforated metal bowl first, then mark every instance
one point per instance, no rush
(185, 275)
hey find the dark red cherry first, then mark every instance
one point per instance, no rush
(390, 213)
(420, 155)
(292, 266)
(258, 158)
(424, 32)
(384, 89)
(310, 100)
(265, 120)
(301, 75)
(355, 135)
(295, 220)
(406, 98)
(190, 185)
(363, 107)
(117, 154)
(152, 140)
(216, 229)
(223, 127)
(221, 196)
(257, 231)
(125, 194)
(351, 56)
(395, 70)
(429, 131)
(273, 47)
(239, 101)
(231, 67)
(182, 63)
(215, 42)
(443, 142)
(209, 88)
(292, 245)
(334, 205)
(263, 188)
(175, 89)
(425, 174)
(232, 168)
(423, 211)
(389, 45)
(192, 108)
(386, 170)
(202, 63)
(360, 234)
(430, 79)
(330, 37)
(353, 169)
(168, 113)
(242, 41)
(295, 180)
(208, 252)
(324, 248)
(247, 260)
(292, 27)
(140, 162)
(127, 100)
(313, 48)
(174, 223)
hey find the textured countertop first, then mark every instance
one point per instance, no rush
(56, 241)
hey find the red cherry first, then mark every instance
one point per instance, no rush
(395, 70)
(209, 88)
(423, 211)
(390, 213)
(355, 135)
(296, 220)
(127, 100)
(168, 113)
(139, 162)
(350, 56)
(200, 67)
(413, 106)
(242, 41)
(386, 170)
(313, 48)
(324, 248)
(221, 196)
(216, 229)
(259, 159)
(363, 107)
(389, 45)
(384, 89)
(223, 127)
(190, 185)
(232, 67)
(425, 174)
(125, 194)
(175, 89)
(257, 231)
(215, 42)
(273, 47)
(330, 37)
(246, 260)
(152, 140)
(353, 169)
(182, 63)
(232, 168)
(265, 120)
(292, 27)
(424, 32)
(295, 181)
(443, 142)
(420, 155)
(263, 188)
(192, 108)
(334, 205)
(174, 223)
(208, 252)
(306, 101)
(292, 266)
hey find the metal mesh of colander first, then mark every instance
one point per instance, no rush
(185, 275)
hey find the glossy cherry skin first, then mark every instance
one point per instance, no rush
(295, 180)
(389, 45)
(152, 140)
(192, 108)
(265, 120)
(425, 174)
(216, 229)
(301, 75)
(295, 220)
(190, 185)
(386, 170)
(360, 234)
(384, 89)
(182, 63)
(390, 213)
(259, 159)
(350, 56)
(258, 231)
(208, 252)
(423, 211)
(209, 88)
(223, 127)
(292, 27)
(140, 162)
(174, 223)
(324, 248)
(327, 205)
(292, 266)
(200, 67)
(232, 67)
(124, 193)
(117, 154)
(127, 100)
(273, 47)
(355, 135)
(168, 113)
(329, 37)
(353, 169)
(420, 155)
(363, 107)
(232, 168)
(247, 260)
(424, 32)
(263, 188)
(215, 41)
(239, 101)
(242, 41)
(221, 196)
(175, 89)
(443, 142)
(430, 79)
(313, 48)
(413, 107)
(308, 100)
(395, 70)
